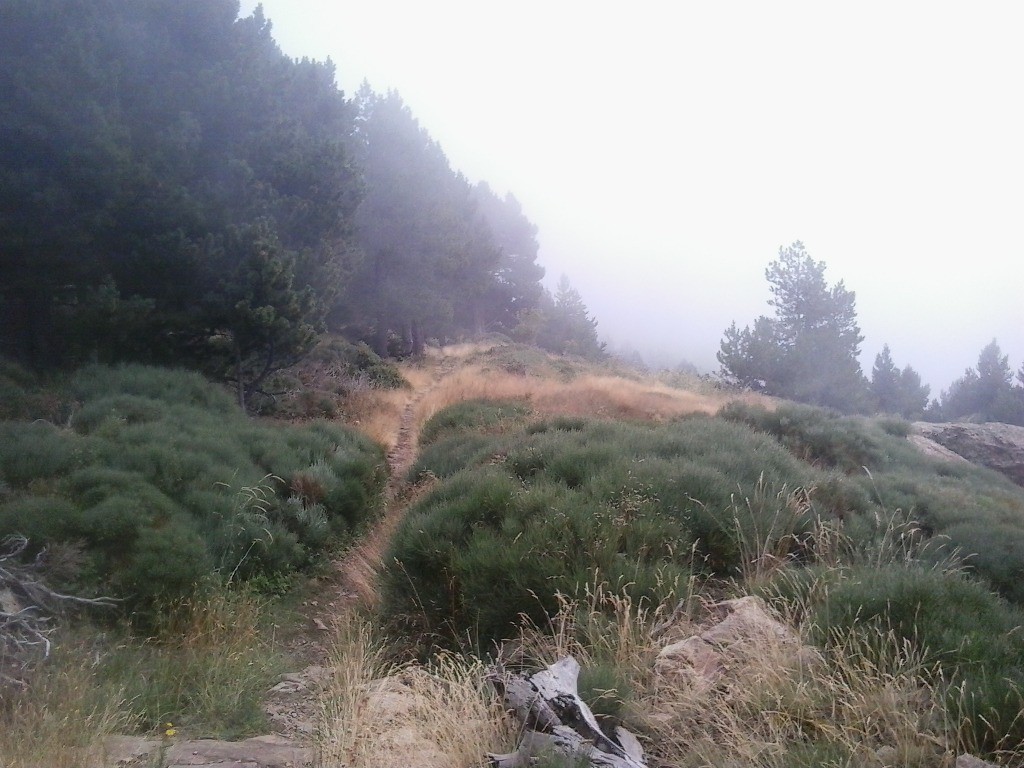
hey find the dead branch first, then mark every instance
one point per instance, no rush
(27, 605)
(556, 719)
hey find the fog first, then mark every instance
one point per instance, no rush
(666, 152)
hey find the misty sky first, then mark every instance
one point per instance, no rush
(666, 151)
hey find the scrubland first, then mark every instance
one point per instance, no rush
(561, 508)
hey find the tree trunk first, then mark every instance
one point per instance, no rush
(418, 345)
(555, 719)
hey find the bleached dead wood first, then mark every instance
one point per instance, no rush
(556, 719)
(27, 604)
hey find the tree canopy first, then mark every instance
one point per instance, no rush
(174, 189)
(986, 393)
(156, 156)
(895, 391)
(808, 350)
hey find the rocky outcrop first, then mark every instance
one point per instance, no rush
(993, 445)
(744, 626)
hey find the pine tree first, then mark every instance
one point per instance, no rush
(808, 350)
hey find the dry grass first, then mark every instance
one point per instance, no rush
(847, 709)
(775, 705)
(377, 413)
(599, 396)
(61, 721)
(376, 715)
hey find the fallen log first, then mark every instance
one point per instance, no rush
(555, 719)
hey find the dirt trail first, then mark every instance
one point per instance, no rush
(350, 585)
(291, 705)
(358, 568)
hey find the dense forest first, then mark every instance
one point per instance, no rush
(174, 189)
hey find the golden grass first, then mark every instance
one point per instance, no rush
(377, 413)
(62, 721)
(600, 396)
(376, 715)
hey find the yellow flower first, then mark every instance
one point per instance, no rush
(169, 730)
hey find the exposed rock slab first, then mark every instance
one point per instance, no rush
(993, 445)
(258, 752)
(744, 625)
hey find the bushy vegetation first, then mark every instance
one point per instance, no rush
(552, 506)
(878, 551)
(159, 485)
(204, 671)
(867, 471)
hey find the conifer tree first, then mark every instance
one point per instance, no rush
(808, 350)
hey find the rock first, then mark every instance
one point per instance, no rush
(993, 445)
(747, 619)
(127, 750)
(970, 761)
(691, 662)
(259, 752)
(746, 630)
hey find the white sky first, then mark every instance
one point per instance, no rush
(667, 149)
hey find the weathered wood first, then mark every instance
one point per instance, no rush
(557, 720)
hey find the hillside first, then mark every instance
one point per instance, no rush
(535, 506)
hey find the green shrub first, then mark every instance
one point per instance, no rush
(166, 484)
(356, 361)
(473, 415)
(971, 635)
(176, 387)
(443, 458)
(36, 451)
(868, 472)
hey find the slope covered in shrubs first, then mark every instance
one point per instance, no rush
(157, 484)
(838, 520)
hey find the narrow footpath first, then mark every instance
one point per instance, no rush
(291, 705)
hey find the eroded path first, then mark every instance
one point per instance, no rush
(292, 704)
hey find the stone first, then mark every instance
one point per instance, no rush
(993, 445)
(258, 752)
(970, 761)
(691, 662)
(747, 619)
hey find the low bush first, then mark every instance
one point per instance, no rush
(868, 471)
(552, 506)
(164, 485)
(481, 416)
(966, 634)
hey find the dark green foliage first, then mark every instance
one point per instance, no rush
(473, 415)
(973, 636)
(165, 485)
(36, 452)
(443, 458)
(895, 391)
(553, 504)
(875, 472)
(565, 325)
(516, 288)
(808, 351)
(987, 393)
(23, 396)
(174, 188)
(357, 361)
(823, 438)
(563, 502)
(430, 258)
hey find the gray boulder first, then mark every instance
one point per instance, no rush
(993, 445)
